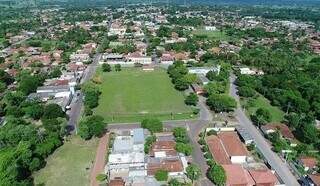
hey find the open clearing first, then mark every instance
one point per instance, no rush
(133, 94)
(70, 164)
(211, 34)
(261, 102)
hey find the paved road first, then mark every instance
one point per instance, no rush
(75, 112)
(273, 159)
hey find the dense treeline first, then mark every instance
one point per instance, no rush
(290, 83)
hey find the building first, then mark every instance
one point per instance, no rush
(204, 70)
(248, 71)
(282, 128)
(113, 58)
(308, 163)
(161, 149)
(137, 57)
(227, 148)
(174, 166)
(237, 176)
(210, 28)
(263, 177)
(127, 158)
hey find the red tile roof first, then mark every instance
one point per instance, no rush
(309, 161)
(315, 178)
(232, 144)
(237, 175)
(217, 150)
(166, 146)
(282, 128)
(263, 177)
(170, 165)
(116, 182)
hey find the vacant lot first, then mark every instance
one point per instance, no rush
(261, 102)
(211, 34)
(69, 165)
(133, 94)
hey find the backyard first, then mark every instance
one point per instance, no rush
(133, 94)
(69, 165)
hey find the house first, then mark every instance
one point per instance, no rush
(137, 57)
(162, 149)
(204, 70)
(237, 176)
(312, 180)
(167, 58)
(217, 150)
(127, 158)
(282, 128)
(226, 148)
(308, 163)
(174, 166)
(113, 58)
(263, 177)
(210, 28)
(236, 151)
(248, 71)
(116, 182)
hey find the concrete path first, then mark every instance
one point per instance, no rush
(100, 160)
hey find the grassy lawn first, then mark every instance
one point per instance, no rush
(211, 34)
(134, 94)
(261, 102)
(69, 165)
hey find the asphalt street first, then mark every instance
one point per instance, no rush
(273, 159)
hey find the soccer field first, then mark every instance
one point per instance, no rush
(133, 94)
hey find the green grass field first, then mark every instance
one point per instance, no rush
(261, 102)
(211, 34)
(134, 94)
(69, 165)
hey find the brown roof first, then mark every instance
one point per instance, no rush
(282, 128)
(315, 178)
(217, 150)
(166, 146)
(308, 161)
(263, 177)
(170, 165)
(232, 144)
(116, 182)
(237, 175)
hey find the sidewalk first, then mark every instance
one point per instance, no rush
(100, 160)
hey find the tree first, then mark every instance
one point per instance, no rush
(192, 99)
(180, 134)
(34, 111)
(246, 91)
(184, 148)
(161, 175)
(221, 103)
(217, 175)
(193, 172)
(117, 67)
(106, 67)
(2, 60)
(91, 126)
(28, 84)
(181, 84)
(152, 124)
(175, 182)
(52, 111)
(261, 117)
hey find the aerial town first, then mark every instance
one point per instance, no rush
(152, 94)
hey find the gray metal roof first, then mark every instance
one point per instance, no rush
(138, 136)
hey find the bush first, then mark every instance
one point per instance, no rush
(184, 148)
(101, 177)
(192, 99)
(246, 91)
(217, 175)
(106, 67)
